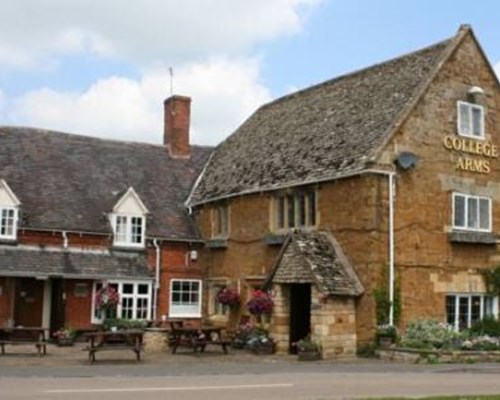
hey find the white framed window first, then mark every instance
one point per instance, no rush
(8, 223)
(129, 230)
(185, 298)
(135, 300)
(462, 310)
(470, 121)
(471, 213)
(294, 210)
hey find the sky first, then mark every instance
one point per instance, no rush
(101, 68)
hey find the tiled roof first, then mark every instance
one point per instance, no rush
(43, 263)
(325, 131)
(71, 182)
(316, 257)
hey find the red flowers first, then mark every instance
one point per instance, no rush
(228, 297)
(260, 303)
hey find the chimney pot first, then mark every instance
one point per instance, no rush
(177, 115)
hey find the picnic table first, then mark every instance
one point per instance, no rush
(129, 340)
(197, 338)
(24, 335)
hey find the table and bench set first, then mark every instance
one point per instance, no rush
(193, 338)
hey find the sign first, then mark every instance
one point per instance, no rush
(484, 149)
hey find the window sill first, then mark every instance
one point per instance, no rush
(8, 241)
(275, 239)
(472, 237)
(220, 243)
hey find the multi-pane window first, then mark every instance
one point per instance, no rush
(221, 221)
(135, 300)
(295, 210)
(462, 310)
(185, 298)
(129, 230)
(8, 223)
(471, 212)
(470, 120)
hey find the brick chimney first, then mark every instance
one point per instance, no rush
(177, 114)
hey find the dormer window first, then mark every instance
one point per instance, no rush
(129, 230)
(9, 211)
(129, 221)
(8, 223)
(470, 120)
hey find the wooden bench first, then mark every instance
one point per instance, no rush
(197, 338)
(119, 340)
(20, 336)
(202, 344)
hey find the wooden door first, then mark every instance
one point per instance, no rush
(28, 306)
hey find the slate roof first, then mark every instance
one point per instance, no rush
(71, 182)
(315, 257)
(320, 133)
(26, 261)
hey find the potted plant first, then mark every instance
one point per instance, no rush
(307, 349)
(65, 336)
(228, 297)
(386, 335)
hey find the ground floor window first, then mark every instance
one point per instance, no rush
(462, 310)
(135, 300)
(217, 308)
(185, 298)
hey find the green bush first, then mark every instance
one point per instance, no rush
(122, 324)
(487, 326)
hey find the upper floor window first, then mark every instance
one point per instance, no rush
(8, 223)
(9, 211)
(129, 220)
(295, 210)
(470, 120)
(471, 212)
(129, 230)
(220, 221)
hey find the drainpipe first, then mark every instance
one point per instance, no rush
(392, 182)
(156, 289)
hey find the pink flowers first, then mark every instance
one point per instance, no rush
(106, 298)
(260, 303)
(228, 297)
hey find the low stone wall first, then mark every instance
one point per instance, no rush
(438, 356)
(155, 340)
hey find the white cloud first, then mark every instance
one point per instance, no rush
(33, 33)
(224, 92)
(497, 69)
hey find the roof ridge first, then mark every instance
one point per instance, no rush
(77, 136)
(359, 71)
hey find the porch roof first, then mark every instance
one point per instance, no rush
(33, 261)
(315, 257)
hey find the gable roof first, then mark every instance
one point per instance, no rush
(71, 182)
(130, 194)
(327, 131)
(10, 197)
(317, 258)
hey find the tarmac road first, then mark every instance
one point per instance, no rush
(65, 374)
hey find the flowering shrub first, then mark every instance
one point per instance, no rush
(484, 343)
(260, 303)
(106, 298)
(430, 334)
(228, 297)
(306, 345)
(64, 333)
